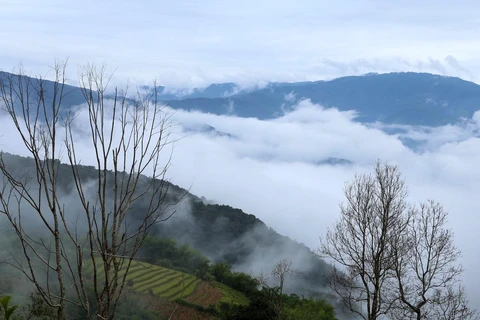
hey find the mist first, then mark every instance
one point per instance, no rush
(270, 169)
(276, 169)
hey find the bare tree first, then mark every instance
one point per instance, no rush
(452, 304)
(397, 261)
(426, 268)
(375, 213)
(128, 195)
(280, 271)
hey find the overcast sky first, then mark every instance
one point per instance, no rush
(189, 43)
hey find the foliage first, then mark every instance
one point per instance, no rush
(231, 296)
(162, 250)
(39, 309)
(237, 280)
(6, 308)
(229, 235)
(132, 307)
(296, 308)
(167, 253)
(262, 306)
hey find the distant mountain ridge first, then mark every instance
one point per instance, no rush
(400, 98)
(392, 98)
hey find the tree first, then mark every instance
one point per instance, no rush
(375, 212)
(452, 304)
(297, 308)
(426, 269)
(280, 271)
(113, 210)
(397, 260)
(6, 310)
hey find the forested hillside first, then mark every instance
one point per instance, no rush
(206, 242)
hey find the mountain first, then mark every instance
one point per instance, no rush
(206, 129)
(216, 90)
(221, 233)
(72, 96)
(400, 98)
(393, 98)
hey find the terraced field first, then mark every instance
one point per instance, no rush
(205, 294)
(162, 282)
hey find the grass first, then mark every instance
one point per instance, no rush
(171, 284)
(162, 282)
(230, 295)
(188, 290)
(158, 282)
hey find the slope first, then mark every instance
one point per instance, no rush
(220, 232)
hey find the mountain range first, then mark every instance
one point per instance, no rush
(393, 98)
(405, 98)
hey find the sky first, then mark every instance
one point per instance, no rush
(192, 43)
(269, 170)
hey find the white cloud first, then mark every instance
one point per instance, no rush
(269, 170)
(291, 97)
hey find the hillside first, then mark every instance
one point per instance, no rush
(400, 98)
(222, 233)
(72, 96)
(226, 234)
(146, 278)
(153, 291)
(171, 284)
(148, 281)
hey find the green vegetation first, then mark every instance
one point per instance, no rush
(297, 308)
(166, 275)
(231, 296)
(263, 306)
(228, 294)
(166, 283)
(167, 253)
(6, 309)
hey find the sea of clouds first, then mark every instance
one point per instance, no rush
(275, 169)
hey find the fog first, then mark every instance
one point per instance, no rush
(273, 169)
(269, 169)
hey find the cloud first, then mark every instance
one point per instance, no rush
(273, 168)
(291, 97)
(230, 107)
(432, 138)
(270, 170)
(454, 63)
